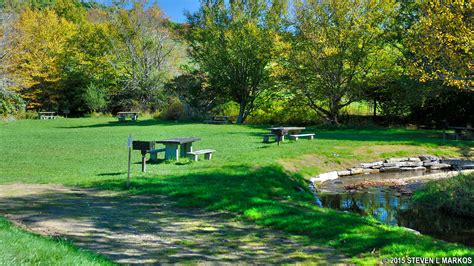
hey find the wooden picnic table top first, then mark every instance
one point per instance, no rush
(287, 128)
(124, 113)
(178, 140)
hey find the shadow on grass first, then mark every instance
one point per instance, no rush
(270, 197)
(140, 123)
(111, 174)
(150, 229)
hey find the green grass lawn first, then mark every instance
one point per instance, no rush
(255, 181)
(454, 196)
(18, 247)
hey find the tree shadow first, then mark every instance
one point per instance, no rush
(270, 197)
(140, 123)
(205, 216)
(391, 135)
(152, 229)
(111, 174)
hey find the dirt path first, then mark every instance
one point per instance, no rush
(146, 229)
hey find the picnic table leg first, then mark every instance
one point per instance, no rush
(143, 163)
(171, 152)
(185, 148)
(153, 156)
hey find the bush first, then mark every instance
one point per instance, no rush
(174, 110)
(95, 97)
(10, 103)
(454, 196)
(27, 115)
(230, 109)
(284, 112)
(98, 114)
(156, 115)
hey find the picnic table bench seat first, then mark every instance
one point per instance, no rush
(154, 154)
(193, 155)
(297, 136)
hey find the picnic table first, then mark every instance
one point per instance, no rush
(218, 119)
(122, 116)
(47, 115)
(177, 147)
(460, 132)
(281, 132)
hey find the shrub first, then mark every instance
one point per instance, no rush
(98, 114)
(20, 116)
(174, 110)
(230, 109)
(95, 97)
(156, 115)
(10, 103)
(284, 112)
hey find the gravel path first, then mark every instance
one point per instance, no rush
(148, 229)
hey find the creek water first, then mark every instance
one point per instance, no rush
(392, 205)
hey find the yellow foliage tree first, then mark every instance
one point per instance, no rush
(42, 40)
(442, 43)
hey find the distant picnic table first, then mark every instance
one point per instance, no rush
(122, 116)
(178, 147)
(460, 132)
(281, 132)
(46, 115)
(218, 119)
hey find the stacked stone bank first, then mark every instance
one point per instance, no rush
(420, 163)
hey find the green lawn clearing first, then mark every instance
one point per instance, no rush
(264, 183)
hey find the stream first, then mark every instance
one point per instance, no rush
(391, 204)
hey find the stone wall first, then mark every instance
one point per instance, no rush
(420, 163)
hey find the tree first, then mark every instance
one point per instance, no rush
(7, 19)
(234, 44)
(95, 97)
(194, 90)
(41, 43)
(441, 43)
(144, 51)
(332, 46)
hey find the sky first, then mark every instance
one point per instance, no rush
(174, 9)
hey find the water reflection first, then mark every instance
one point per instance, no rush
(390, 207)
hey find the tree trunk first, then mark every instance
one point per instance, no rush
(333, 118)
(241, 117)
(375, 108)
(333, 115)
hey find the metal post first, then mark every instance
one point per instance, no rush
(129, 159)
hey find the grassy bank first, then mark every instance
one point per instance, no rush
(18, 247)
(454, 196)
(254, 181)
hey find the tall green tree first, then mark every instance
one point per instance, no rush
(235, 44)
(144, 51)
(333, 49)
